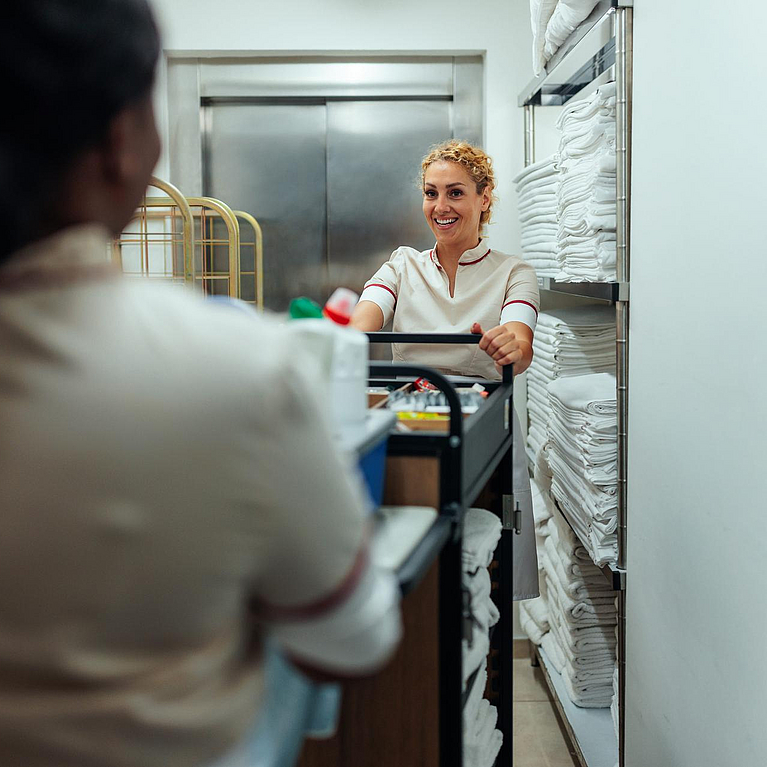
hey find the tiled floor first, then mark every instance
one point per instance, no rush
(538, 741)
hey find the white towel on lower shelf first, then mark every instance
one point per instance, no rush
(534, 619)
(483, 754)
(485, 613)
(478, 583)
(481, 533)
(476, 653)
(475, 695)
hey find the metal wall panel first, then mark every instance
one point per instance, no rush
(468, 99)
(308, 77)
(374, 151)
(269, 160)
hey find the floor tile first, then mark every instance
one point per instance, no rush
(528, 682)
(538, 739)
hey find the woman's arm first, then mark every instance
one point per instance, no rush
(367, 316)
(507, 344)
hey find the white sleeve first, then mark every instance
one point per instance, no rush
(356, 635)
(317, 590)
(522, 297)
(519, 311)
(382, 287)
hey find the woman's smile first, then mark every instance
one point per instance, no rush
(452, 206)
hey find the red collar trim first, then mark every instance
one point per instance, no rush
(476, 261)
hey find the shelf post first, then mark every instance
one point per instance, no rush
(624, 45)
(529, 134)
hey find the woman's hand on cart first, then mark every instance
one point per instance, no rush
(507, 344)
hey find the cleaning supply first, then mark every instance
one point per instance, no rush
(343, 353)
(340, 305)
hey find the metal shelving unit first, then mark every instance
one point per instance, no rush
(591, 730)
(599, 51)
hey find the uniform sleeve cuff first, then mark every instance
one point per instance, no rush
(383, 296)
(519, 311)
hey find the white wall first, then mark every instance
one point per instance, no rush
(697, 677)
(499, 28)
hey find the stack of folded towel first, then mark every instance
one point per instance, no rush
(582, 432)
(534, 613)
(586, 196)
(580, 609)
(552, 23)
(481, 740)
(537, 187)
(567, 342)
(614, 705)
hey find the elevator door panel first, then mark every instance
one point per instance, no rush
(374, 151)
(269, 160)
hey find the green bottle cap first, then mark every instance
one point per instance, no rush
(303, 308)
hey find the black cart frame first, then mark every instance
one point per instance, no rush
(468, 454)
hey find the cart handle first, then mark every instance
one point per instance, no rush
(435, 338)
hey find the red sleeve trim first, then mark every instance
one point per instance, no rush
(519, 301)
(476, 261)
(324, 605)
(379, 285)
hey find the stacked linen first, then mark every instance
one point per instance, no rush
(567, 15)
(534, 613)
(614, 705)
(582, 432)
(482, 741)
(537, 188)
(582, 615)
(586, 195)
(567, 342)
(552, 22)
(578, 633)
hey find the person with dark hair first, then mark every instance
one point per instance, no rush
(169, 490)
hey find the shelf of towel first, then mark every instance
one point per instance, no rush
(603, 291)
(591, 730)
(615, 575)
(584, 56)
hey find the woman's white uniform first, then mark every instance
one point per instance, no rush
(412, 289)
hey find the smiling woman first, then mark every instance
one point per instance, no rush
(462, 285)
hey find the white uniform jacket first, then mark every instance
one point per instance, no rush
(412, 290)
(169, 491)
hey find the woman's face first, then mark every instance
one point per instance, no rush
(452, 205)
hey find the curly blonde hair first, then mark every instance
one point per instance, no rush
(476, 162)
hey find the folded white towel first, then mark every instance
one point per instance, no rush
(540, 13)
(537, 170)
(486, 614)
(567, 15)
(481, 533)
(476, 653)
(476, 693)
(593, 394)
(477, 583)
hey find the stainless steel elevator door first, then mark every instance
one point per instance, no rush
(334, 184)
(374, 152)
(269, 160)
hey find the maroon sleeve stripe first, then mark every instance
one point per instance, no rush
(323, 605)
(379, 285)
(519, 301)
